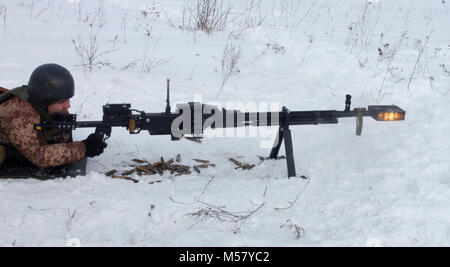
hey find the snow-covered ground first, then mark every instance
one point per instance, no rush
(389, 187)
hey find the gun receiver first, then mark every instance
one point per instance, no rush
(194, 118)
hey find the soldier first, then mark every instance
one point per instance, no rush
(48, 92)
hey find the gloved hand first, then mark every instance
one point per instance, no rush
(94, 145)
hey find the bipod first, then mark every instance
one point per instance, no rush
(284, 133)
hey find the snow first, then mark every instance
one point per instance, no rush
(389, 187)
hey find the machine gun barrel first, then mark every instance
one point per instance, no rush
(295, 118)
(241, 119)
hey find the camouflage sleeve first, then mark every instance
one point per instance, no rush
(21, 133)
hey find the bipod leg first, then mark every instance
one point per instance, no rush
(277, 144)
(289, 153)
(284, 133)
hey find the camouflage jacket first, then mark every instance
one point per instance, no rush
(17, 120)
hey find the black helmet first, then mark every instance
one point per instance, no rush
(50, 83)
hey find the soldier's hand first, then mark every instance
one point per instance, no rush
(94, 145)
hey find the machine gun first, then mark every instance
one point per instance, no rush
(193, 118)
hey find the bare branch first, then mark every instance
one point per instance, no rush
(222, 215)
(297, 230)
(292, 203)
(206, 15)
(229, 63)
(420, 49)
